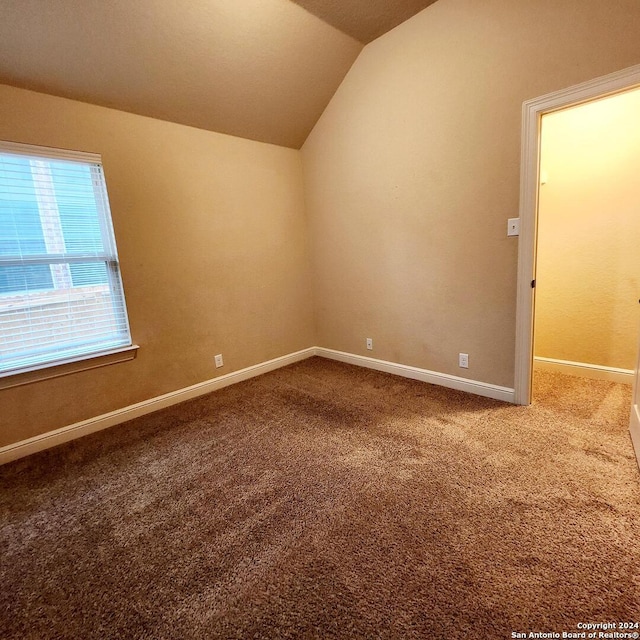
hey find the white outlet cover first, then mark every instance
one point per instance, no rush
(219, 361)
(513, 227)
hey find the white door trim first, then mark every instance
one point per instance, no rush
(634, 420)
(532, 112)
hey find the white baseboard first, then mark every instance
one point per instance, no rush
(65, 434)
(583, 370)
(634, 429)
(443, 379)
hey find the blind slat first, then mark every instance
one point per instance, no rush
(52, 258)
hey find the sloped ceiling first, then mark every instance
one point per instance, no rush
(364, 20)
(258, 69)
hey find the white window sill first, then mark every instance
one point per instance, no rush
(57, 369)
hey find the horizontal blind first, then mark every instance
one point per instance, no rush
(61, 295)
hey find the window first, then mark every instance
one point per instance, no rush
(61, 296)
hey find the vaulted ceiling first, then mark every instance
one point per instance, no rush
(364, 20)
(258, 69)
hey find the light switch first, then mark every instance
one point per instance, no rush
(513, 227)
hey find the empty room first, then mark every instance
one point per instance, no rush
(287, 347)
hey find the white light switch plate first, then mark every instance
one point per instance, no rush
(513, 227)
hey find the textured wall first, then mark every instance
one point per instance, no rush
(212, 241)
(413, 170)
(588, 263)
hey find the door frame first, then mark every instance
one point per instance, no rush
(532, 112)
(634, 421)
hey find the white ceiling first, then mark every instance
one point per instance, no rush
(258, 69)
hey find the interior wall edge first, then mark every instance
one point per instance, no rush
(475, 387)
(634, 430)
(48, 440)
(583, 369)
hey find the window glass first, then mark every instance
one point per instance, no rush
(61, 295)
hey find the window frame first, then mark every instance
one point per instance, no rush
(96, 356)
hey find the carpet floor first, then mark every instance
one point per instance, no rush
(328, 501)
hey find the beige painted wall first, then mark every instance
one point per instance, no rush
(410, 176)
(588, 262)
(413, 170)
(211, 234)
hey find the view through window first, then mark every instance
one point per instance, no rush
(61, 295)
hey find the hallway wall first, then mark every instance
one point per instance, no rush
(588, 263)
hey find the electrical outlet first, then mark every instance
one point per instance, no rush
(219, 361)
(463, 360)
(370, 343)
(513, 227)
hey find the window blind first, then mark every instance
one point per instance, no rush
(61, 295)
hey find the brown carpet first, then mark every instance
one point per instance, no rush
(327, 501)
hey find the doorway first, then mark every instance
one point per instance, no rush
(532, 114)
(588, 234)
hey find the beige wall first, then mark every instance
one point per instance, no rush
(212, 241)
(410, 176)
(413, 170)
(588, 262)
